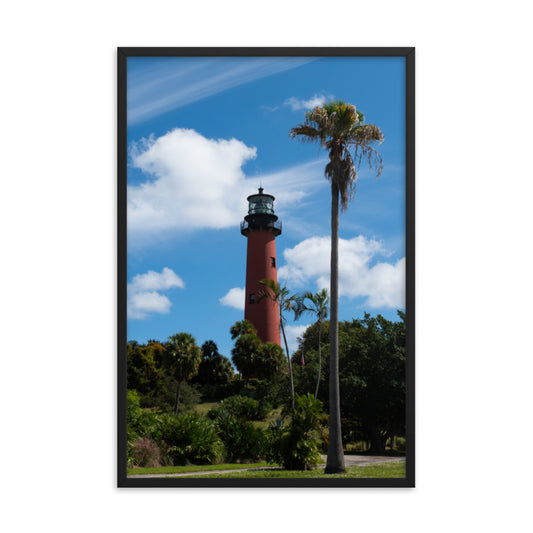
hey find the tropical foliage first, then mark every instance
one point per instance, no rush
(242, 407)
(295, 445)
(372, 385)
(286, 302)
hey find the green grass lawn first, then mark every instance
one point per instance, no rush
(263, 424)
(383, 470)
(191, 468)
(202, 408)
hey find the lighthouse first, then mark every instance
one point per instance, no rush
(261, 227)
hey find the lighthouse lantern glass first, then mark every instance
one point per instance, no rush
(261, 204)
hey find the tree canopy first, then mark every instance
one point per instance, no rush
(372, 375)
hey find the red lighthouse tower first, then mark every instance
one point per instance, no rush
(261, 227)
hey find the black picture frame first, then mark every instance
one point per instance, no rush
(123, 53)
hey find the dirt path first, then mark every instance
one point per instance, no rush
(364, 460)
(202, 473)
(349, 460)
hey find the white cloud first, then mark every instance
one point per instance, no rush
(298, 104)
(143, 296)
(383, 284)
(151, 280)
(142, 304)
(234, 298)
(292, 333)
(195, 182)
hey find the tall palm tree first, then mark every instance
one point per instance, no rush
(338, 127)
(318, 306)
(185, 358)
(286, 302)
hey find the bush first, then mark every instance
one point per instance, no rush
(133, 409)
(191, 438)
(295, 446)
(179, 439)
(399, 443)
(139, 423)
(242, 407)
(144, 452)
(243, 442)
(271, 392)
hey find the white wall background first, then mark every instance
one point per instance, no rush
(474, 288)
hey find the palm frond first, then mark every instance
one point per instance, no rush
(272, 291)
(306, 134)
(318, 303)
(368, 133)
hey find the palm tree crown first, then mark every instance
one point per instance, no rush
(318, 304)
(338, 127)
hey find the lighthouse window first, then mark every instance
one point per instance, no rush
(252, 298)
(273, 261)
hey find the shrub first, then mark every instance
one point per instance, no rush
(243, 442)
(133, 409)
(242, 407)
(399, 443)
(271, 392)
(295, 446)
(145, 452)
(190, 438)
(139, 423)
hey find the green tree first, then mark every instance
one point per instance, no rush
(143, 368)
(214, 368)
(242, 327)
(338, 127)
(286, 303)
(270, 362)
(317, 304)
(245, 353)
(373, 372)
(184, 356)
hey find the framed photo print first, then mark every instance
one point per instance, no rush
(266, 267)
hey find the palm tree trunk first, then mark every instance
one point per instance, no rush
(319, 359)
(335, 461)
(177, 398)
(289, 359)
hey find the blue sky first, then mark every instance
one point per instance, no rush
(203, 134)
